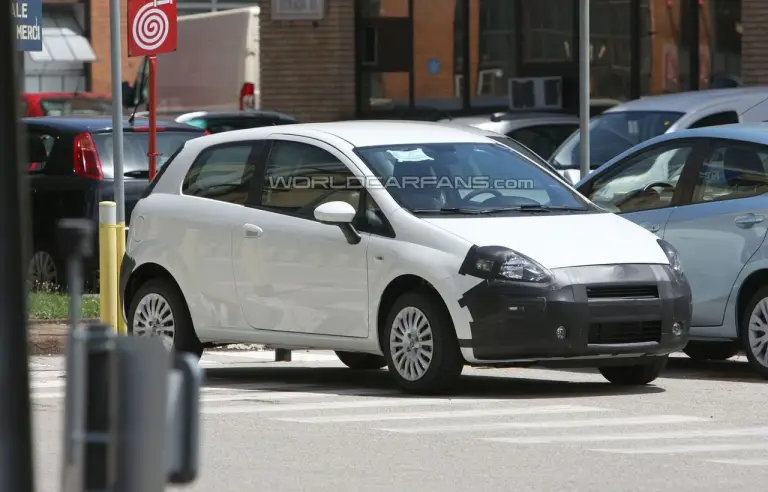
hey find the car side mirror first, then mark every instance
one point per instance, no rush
(341, 214)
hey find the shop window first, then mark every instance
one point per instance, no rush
(610, 48)
(495, 46)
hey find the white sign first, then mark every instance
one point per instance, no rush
(298, 9)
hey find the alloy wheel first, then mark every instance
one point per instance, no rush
(411, 343)
(154, 318)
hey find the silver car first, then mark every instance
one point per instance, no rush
(704, 192)
(623, 126)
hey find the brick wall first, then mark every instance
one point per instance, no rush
(308, 68)
(100, 70)
(754, 41)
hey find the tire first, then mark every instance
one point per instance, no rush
(635, 375)
(45, 271)
(444, 368)
(362, 362)
(159, 289)
(711, 350)
(757, 352)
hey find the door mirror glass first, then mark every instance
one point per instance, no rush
(335, 213)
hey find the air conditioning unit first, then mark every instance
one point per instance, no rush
(536, 93)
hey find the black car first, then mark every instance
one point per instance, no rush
(224, 121)
(71, 171)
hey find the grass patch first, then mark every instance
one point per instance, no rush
(53, 306)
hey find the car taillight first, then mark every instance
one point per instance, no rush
(247, 99)
(86, 158)
(207, 132)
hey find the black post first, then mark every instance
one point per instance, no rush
(282, 355)
(101, 410)
(16, 470)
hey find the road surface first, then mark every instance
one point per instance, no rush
(313, 425)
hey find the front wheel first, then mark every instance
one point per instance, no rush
(362, 362)
(158, 310)
(420, 344)
(635, 375)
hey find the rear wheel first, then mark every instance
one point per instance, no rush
(420, 344)
(635, 375)
(754, 331)
(711, 350)
(158, 309)
(362, 362)
(44, 272)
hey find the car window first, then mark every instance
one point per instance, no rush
(39, 148)
(466, 176)
(299, 177)
(732, 171)
(372, 219)
(136, 148)
(223, 173)
(724, 118)
(543, 139)
(642, 182)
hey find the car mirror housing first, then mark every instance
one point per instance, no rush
(335, 213)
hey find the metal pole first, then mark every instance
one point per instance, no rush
(16, 470)
(116, 59)
(152, 116)
(584, 83)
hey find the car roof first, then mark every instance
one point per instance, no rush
(363, 133)
(236, 114)
(100, 123)
(747, 132)
(510, 116)
(685, 102)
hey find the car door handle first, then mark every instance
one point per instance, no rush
(651, 227)
(748, 220)
(252, 231)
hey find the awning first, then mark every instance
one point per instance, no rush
(61, 44)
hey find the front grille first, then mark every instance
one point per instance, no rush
(623, 292)
(625, 332)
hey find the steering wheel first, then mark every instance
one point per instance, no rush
(473, 194)
(658, 184)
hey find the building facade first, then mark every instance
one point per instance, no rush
(407, 58)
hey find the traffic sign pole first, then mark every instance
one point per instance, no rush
(152, 117)
(585, 52)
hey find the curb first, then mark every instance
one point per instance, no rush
(49, 337)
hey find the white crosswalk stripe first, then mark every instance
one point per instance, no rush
(602, 429)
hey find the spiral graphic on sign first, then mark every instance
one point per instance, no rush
(150, 27)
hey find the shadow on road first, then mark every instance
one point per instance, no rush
(333, 380)
(727, 370)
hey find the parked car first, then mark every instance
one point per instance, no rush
(65, 103)
(224, 121)
(542, 132)
(704, 192)
(310, 236)
(71, 172)
(633, 122)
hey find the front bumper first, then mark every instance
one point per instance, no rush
(586, 312)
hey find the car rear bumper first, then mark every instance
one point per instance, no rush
(587, 313)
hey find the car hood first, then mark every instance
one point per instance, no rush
(566, 240)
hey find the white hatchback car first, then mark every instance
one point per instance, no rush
(414, 246)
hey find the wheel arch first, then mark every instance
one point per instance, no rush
(396, 287)
(141, 275)
(749, 286)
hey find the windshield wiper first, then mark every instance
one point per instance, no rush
(136, 174)
(448, 211)
(489, 211)
(547, 208)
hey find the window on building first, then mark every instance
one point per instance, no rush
(548, 31)
(496, 52)
(610, 48)
(222, 173)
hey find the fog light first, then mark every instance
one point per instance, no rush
(677, 329)
(560, 333)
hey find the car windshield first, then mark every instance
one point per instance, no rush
(136, 147)
(63, 106)
(467, 178)
(611, 134)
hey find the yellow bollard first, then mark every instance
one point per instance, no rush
(120, 251)
(108, 263)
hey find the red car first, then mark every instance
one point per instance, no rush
(65, 103)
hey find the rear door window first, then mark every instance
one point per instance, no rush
(724, 118)
(544, 139)
(136, 148)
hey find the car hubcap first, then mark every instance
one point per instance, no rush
(42, 271)
(758, 332)
(154, 318)
(410, 343)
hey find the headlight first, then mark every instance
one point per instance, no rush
(672, 256)
(501, 263)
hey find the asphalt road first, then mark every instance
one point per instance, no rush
(313, 425)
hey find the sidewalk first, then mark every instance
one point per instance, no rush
(47, 337)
